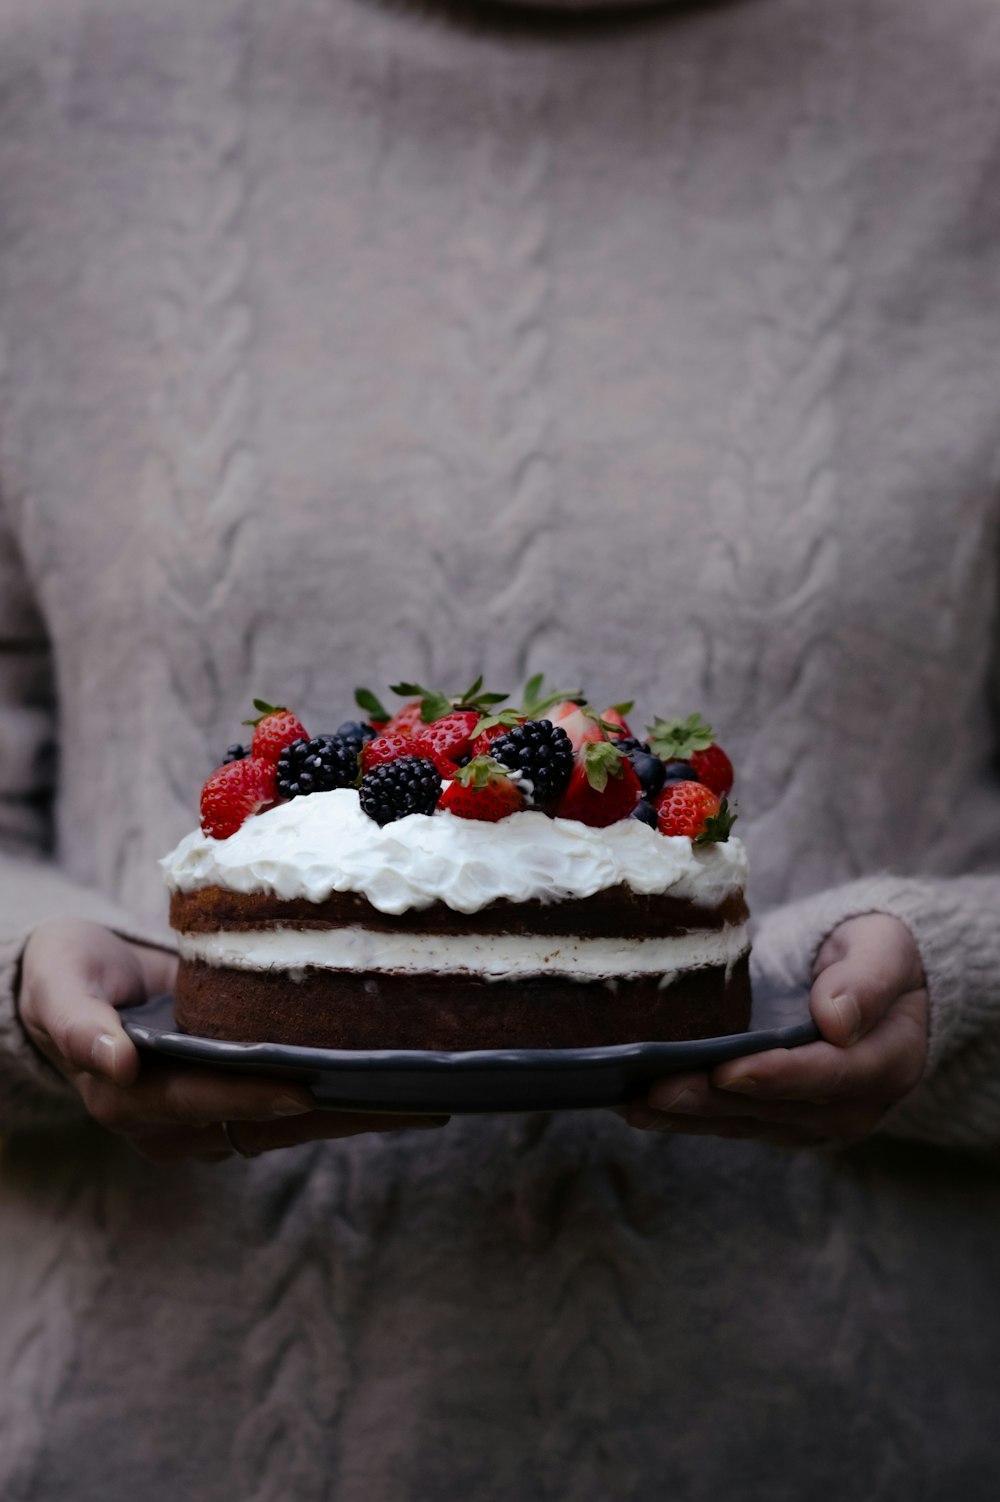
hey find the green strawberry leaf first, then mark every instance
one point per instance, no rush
(264, 709)
(678, 740)
(718, 826)
(366, 700)
(506, 717)
(480, 772)
(535, 703)
(408, 690)
(623, 709)
(601, 760)
(434, 707)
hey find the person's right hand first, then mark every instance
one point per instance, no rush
(75, 976)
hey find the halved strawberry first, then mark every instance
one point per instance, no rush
(602, 787)
(692, 809)
(274, 728)
(235, 791)
(482, 790)
(691, 740)
(581, 723)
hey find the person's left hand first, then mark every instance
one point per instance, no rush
(869, 1001)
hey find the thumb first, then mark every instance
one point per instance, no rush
(865, 964)
(73, 975)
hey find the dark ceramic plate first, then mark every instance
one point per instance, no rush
(523, 1079)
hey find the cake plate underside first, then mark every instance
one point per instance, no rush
(525, 1079)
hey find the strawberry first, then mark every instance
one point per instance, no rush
(692, 809)
(581, 724)
(482, 790)
(614, 721)
(714, 769)
(449, 738)
(691, 740)
(481, 744)
(405, 721)
(389, 746)
(234, 792)
(602, 787)
(274, 729)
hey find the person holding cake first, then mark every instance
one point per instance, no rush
(655, 347)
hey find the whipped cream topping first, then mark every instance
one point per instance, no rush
(314, 846)
(487, 956)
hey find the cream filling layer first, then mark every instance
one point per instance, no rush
(488, 956)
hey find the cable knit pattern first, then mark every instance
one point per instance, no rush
(346, 340)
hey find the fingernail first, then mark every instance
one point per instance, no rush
(848, 1014)
(743, 1084)
(685, 1100)
(104, 1054)
(290, 1105)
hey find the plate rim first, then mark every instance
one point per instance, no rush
(197, 1049)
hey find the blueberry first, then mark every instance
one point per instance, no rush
(354, 730)
(650, 771)
(645, 813)
(679, 771)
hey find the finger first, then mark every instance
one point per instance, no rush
(883, 1067)
(192, 1097)
(82, 1033)
(876, 961)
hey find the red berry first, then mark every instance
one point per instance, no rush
(580, 724)
(714, 769)
(685, 808)
(449, 738)
(406, 720)
(592, 800)
(482, 790)
(275, 730)
(614, 716)
(234, 792)
(389, 746)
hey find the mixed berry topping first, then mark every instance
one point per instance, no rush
(542, 753)
(410, 785)
(318, 766)
(476, 757)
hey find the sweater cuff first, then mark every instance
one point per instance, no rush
(954, 925)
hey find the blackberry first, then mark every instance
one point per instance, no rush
(409, 785)
(317, 766)
(542, 751)
(235, 752)
(354, 730)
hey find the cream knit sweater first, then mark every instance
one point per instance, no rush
(342, 340)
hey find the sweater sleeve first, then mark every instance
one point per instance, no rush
(32, 887)
(956, 926)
